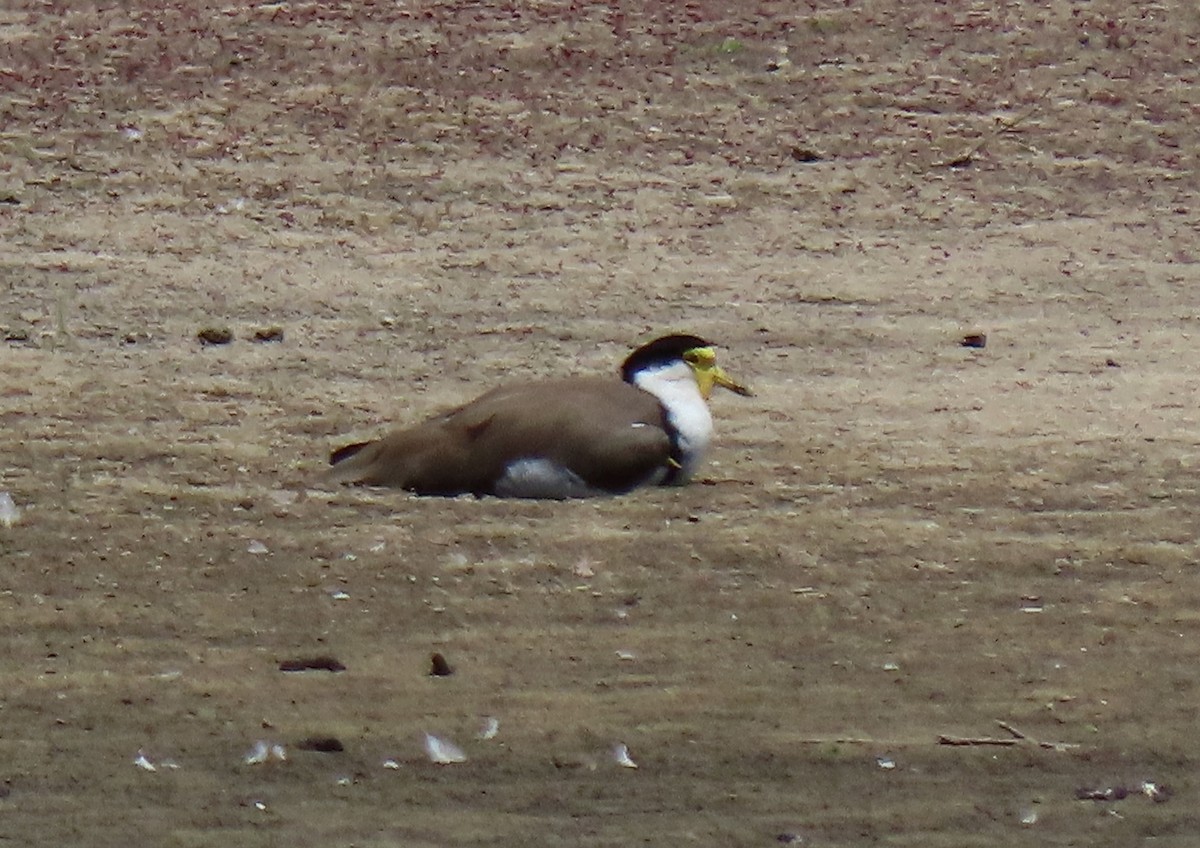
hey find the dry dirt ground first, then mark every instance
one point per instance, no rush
(898, 540)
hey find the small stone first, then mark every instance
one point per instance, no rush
(257, 755)
(268, 334)
(9, 514)
(621, 755)
(1156, 792)
(975, 340)
(215, 336)
(321, 663)
(321, 744)
(1105, 793)
(438, 667)
(443, 751)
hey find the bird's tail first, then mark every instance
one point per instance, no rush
(348, 464)
(342, 454)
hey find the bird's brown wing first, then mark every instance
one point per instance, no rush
(611, 435)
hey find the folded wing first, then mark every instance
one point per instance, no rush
(608, 436)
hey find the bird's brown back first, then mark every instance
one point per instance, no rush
(612, 435)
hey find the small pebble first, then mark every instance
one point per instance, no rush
(263, 751)
(260, 753)
(321, 663)
(438, 667)
(1106, 793)
(321, 744)
(9, 514)
(1156, 792)
(215, 336)
(443, 751)
(621, 755)
(268, 334)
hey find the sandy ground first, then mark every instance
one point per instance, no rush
(900, 541)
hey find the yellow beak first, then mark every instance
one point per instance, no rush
(708, 374)
(723, 380)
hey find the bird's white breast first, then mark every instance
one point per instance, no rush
(676, 389)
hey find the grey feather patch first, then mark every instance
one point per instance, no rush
(542, 478)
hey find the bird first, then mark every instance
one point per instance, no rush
(573, 437)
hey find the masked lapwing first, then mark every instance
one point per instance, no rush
(565, 438)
